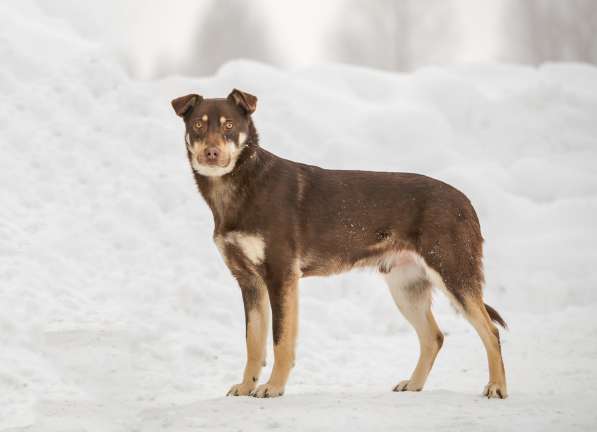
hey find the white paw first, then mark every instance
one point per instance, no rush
(407, 386)
(493, 390)
(242, 389)
(267, 390)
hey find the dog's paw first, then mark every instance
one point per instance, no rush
(406, 385)
(242, 389)
(493, 390)
(267, 390)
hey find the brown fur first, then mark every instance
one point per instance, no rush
(315, 221)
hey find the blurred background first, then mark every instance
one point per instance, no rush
(195, 37)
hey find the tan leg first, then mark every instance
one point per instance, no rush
(257, 322)
(412, 293)
(284, 303)
(479, 318)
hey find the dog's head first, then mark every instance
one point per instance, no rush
(216, 129)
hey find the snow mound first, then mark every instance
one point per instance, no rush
(114, 300)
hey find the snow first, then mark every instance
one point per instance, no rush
(117, 313)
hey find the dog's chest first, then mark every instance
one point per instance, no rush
(240, 247)
(241, 250)
(222, 197)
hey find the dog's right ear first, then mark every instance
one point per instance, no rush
(184, 104)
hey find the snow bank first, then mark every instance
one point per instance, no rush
(113, 300)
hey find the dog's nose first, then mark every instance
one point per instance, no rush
(212, 153)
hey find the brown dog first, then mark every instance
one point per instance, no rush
(277, 221)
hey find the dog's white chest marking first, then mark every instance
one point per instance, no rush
(252, 246)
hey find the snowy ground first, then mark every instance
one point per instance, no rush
(117, 314)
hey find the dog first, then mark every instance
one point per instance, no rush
(276, 221)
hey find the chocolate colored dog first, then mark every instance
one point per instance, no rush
(277, 221)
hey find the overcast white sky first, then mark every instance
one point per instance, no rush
(169, 25)
(145, 31)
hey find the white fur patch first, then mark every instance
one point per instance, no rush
(405, 268)
(252, 245)
(212, 171)
(408, 266)
(242, 137)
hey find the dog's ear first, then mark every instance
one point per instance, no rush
(184, 104)
(246, 101)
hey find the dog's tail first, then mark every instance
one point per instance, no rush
(495, 316)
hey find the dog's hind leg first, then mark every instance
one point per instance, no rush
(454, 264)
(477, 314)
(467, 297)
(411, 291)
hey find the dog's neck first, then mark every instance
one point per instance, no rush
(226, 195)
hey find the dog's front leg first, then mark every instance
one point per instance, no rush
(256, 304)
(283, 295)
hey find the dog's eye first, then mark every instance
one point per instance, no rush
(198, 125)
(228, 125)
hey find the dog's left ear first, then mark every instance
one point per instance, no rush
(184, 104)
(246, 101)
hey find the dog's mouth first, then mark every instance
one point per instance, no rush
(221, 162)
(216, 166)
(212, 167)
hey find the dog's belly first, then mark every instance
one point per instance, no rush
(341, 247)
(385, 261)
(317, 262)
(317, 266)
